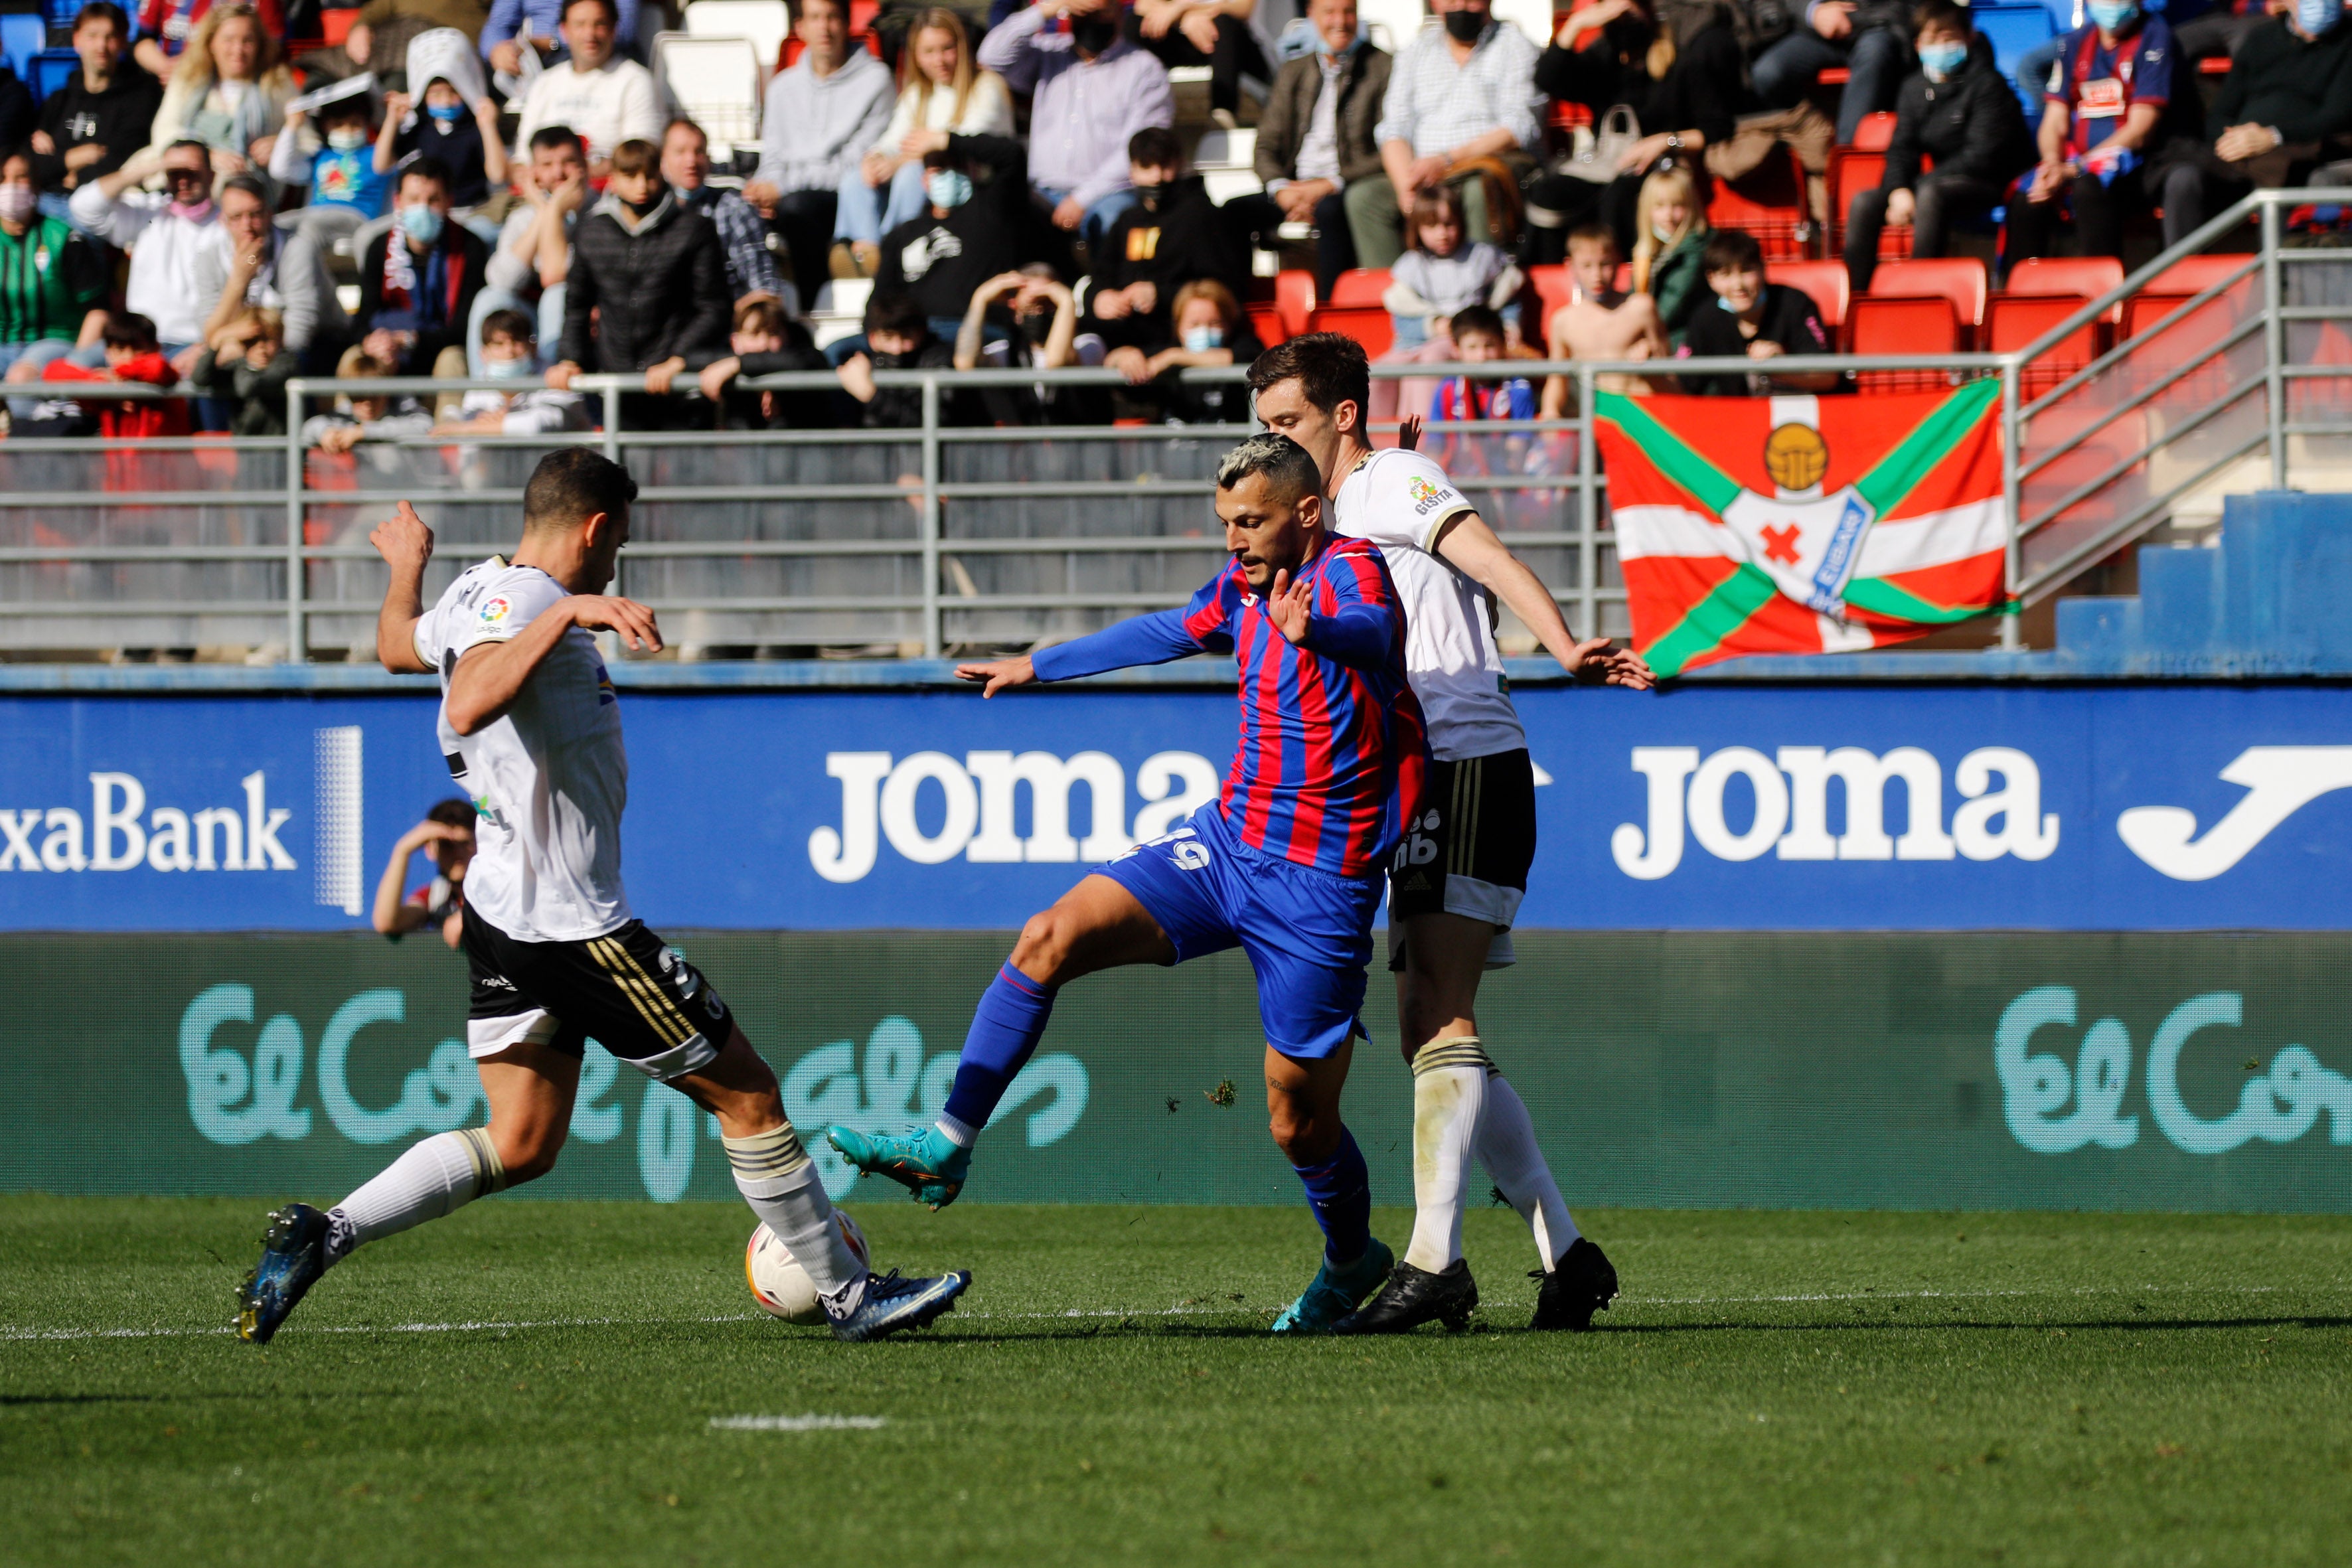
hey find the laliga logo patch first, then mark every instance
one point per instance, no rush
(495, 610)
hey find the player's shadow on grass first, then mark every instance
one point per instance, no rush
(1924, 1321)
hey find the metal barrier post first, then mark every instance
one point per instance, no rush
(930, 524)
(1587, 514)
(298, 650)
(2012, 635)
(2274, 344)
(619, 587)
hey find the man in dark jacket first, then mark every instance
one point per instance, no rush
(1316, 138)
(2289, 90)
(1957, 109)
(419, 278)
(978, 195)
(653, 275)
(1171, 235)
(99, 117)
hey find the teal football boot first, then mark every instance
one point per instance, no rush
(921, 1159)
(1337, 1292)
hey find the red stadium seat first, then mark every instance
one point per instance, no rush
(1903, 324)
(1553, 289)
(1359, 286)
(2177, 284)
(1876, 133)
(1623, 281)
(1833, 76)
(1368, 324)
(2085, 277)
(1294, 299)
(2012, 321)
(1961, 280)
(1769, 204)
(1265, 320)
(1825, 281)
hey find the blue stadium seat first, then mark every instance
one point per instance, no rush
(2013, 30)
(22, 38)
(52, 68)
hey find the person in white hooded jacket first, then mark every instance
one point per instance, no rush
(173, 236)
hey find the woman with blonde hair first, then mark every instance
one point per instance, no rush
(941, 93)
(228, 91)
(1670, 230)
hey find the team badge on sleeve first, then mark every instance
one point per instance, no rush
(495, 610)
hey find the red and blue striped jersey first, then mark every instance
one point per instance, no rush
(1332, 749)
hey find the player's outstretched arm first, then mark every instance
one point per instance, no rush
(491, 675)
(1469, 545)
(406, 545)
(1155, 638)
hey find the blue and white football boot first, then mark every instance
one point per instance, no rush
(293, 1255)
(1337, 1292)
(921, 1159)
(891, 1304)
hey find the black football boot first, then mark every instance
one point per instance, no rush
(1580, 1283)
(1414, 1297)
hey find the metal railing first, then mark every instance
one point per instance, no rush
(958, 532)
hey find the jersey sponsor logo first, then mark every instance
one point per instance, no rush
(1425, 495)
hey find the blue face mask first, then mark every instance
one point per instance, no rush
(948, 188)
(2315, 16)
(421, 223)
(445, 113)
(1942, 61)
(2114, 16)
(507, 369)
(1323, 47)
(1201, 340)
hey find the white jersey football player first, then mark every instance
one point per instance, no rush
(1459, 876)
(532, 729)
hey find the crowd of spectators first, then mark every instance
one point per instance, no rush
(509, 194)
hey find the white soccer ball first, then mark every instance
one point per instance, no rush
(779, 1284)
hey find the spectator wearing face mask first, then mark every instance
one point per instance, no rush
(1959, 111)
(2113, 97)
(898, 337)
(418, 279)
(1037, 320)
(1460, 95)
(1171, 236)
(99, 117)
(1211, 331)
(767, 342)
(346, 187)
(820, 116)
(2289, 90)
(511, 353)
(970, 231)
(50, 278)
(1093, 91)
(171, 234)
(447, 114)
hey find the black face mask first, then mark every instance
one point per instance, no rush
(1149, 197)
(1464, 27)
(1094, 35)
(1036, 327)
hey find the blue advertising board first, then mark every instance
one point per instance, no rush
(1993, 806)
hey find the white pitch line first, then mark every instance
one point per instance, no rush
(485, 1325)
(797, 1423)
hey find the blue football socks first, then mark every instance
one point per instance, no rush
(1340, 1190)
(1004, 1031)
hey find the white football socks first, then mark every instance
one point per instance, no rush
(436, 1177)
(779, 1181)
(1449, 1102)
(1507, 1147)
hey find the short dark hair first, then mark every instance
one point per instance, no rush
(455, 812)
(1329, 369)
(549, 137)
(1476, 319)
(249, 185)
(128, 329)
(103, 10)
(509, 323)
(676, 121)
(898, 312)
(612, 10)
(203, 148)
(1155, 146)
(432, 169)
(1942, 14)
(1731, 250)
(636, 156)
(1289, 467)
(574, 484)
(1592, 234)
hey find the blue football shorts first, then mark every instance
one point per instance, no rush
(1308, 933)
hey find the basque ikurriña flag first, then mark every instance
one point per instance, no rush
(1802, 524)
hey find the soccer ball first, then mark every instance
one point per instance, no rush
(779, 1284)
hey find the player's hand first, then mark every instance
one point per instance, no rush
(1290, 606)
(606, 612)
(1000, 674)
(1595, 660)
(403, 539)
(1409, 433)
(1631, 671)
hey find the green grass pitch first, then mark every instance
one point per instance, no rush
(537, 1383)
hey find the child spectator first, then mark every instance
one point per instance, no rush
(368, 417)
(1480, 338)
(228, 91)
(767, 342)
(1670, 230)
(1598, 322)
(898, 337)
(459, 124)
(1755, 319)
(510, 352)
(941, 95)
(346, 187)
(246, 364)
(1441, 274)
(1044, 316)
(99, 117)
(1212, 330)
(131, 354)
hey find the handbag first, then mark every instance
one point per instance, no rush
(1600, 149)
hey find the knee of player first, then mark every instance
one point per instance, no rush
(1044, 946)
(529, 1154)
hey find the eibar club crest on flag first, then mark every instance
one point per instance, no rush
(1802, 524)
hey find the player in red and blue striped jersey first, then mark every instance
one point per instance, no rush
(1288, 863)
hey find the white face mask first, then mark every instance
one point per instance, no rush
(1663, 231)
(347, 141)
